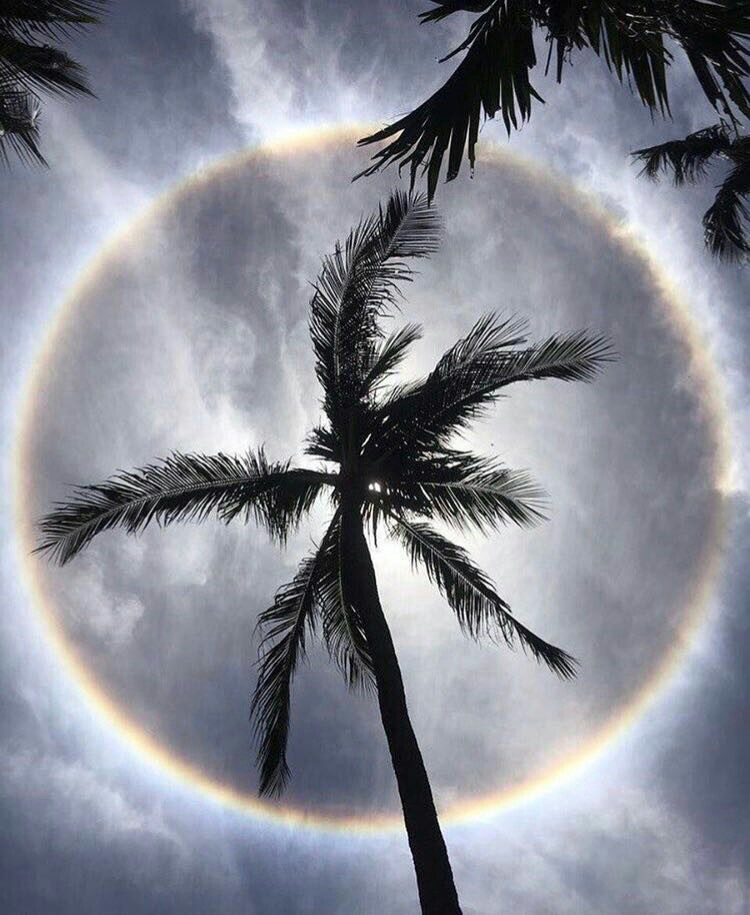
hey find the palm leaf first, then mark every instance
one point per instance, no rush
(281, 497)
(471, 376)
(388, 356)
(494, 75)
(686, 159)
(324, 443)
(358, 284)
(468, 491)
(51, 18)
(19, 125)
(343, 634)
(471, 596)
(445, 8)
(726, 220)
(338, 278)
(284, 627)
(29, 65)
(36, 68)
(183, 487)
(314, 593)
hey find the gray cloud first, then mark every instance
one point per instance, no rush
(199, 340)
(196, 338)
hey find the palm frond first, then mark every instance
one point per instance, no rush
(343, 634)
(41, 68)
(471, 376)
(686, 159)
(444, 8)
(725, 222)
(54, 19)
(714, 36)
(183, 487)
(19, 125)
(315, 594)
(284, 626)
(630, 38)
(388, 356)
(29, 65)
(279, 499)
(337, 280)
(492, 77)
(358, 284)
(471, 596)
(324, 443)
(468, 491)
(727, 219)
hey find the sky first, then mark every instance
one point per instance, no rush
(157, 283)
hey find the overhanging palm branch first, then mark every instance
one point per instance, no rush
(30, 66)
(726, 221)
(686, 159)
(631, 37)
(50, 18)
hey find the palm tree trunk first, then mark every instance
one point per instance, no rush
(437, 891)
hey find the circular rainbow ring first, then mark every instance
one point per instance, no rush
(703, 371)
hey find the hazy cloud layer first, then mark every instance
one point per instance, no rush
(212, 300)
(196, 338)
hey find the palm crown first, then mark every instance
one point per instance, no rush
(30, 65)
(632, 37)
(389, 460)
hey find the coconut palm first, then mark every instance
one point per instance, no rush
(29, 66)
(632, 37)
(388, 461)
(726, 220)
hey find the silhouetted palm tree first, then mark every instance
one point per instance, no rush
(29, 65)
(632, 37)
(389, 459)
(726, 220)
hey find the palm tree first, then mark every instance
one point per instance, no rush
(388, 460)
(632, 37)
(725, 222)
(29, 65)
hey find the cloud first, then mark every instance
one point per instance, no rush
(111, 616)
(261, 90)
(198, 339)
(628, 853)
(213, 301)
(286, 71)
(77, 800)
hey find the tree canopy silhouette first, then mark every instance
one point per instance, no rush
(725, 222)
(31, 66)
(634, 39)
(387, 460)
